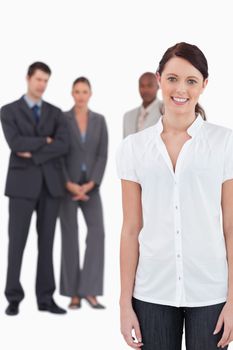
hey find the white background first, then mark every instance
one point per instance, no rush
(112, 43)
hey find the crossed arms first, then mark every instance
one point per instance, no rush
(40, 148)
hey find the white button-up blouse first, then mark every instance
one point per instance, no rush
(182, 259)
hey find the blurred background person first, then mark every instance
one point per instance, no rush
(37, 135)
(149, 112)
(84, 167)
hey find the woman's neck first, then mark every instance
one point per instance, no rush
(177, 123)
(81, 110)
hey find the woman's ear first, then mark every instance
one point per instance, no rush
(205, 82)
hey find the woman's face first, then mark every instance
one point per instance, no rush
(81, 93)
(181, 85)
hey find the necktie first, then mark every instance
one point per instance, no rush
(36, 113)
(141, 119)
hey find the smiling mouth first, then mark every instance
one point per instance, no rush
(179, 100)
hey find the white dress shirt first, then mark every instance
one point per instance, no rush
(182, 260)
(32, 103)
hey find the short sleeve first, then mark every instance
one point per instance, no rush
(228, 159)
(125, 162)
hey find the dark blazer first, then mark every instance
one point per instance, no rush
(25, 176)
(93, 152)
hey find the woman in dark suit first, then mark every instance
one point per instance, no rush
(84, 168)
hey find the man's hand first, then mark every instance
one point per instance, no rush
(24, 154)
(49, 140)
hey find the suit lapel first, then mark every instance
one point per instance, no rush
(26, 110)
(29, 114)
(153, 115)
(150, 118)
(135, 121)
(90, 126)
(44, 114)
(89, 131)
(75, 127)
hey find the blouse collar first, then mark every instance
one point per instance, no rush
(192, 129)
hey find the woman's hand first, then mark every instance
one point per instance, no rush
(79, 192)
(87, 187)
(74, 188)
(81, 197)
(129, 322)
(225, 319)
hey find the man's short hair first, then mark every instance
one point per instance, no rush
(38, 65)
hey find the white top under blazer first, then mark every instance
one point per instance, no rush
(182, 259)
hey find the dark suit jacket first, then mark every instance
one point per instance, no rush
(25, 176)
(93, 152)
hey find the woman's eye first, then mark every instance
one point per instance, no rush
(192, 81)
(171, 79)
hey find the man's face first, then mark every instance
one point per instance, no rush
(37, 84)
(148, 88)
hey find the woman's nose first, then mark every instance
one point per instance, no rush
(181, 88)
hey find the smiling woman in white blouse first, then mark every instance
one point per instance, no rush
(177, 234)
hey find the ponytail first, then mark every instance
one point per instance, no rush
(200, 110)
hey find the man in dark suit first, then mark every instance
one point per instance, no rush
(37, 135)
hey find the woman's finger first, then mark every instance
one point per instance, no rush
(138, 332)
(230, 338)
(225, 337)
(219, 324)
(129, 340)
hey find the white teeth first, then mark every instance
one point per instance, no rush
(180, 99)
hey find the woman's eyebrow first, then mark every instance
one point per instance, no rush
(172, 74)
(189, 77)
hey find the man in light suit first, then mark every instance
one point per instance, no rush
(37, 135)
(149, 112)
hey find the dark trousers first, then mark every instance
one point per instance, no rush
(162, 326)
(88, 280)
(20, 213)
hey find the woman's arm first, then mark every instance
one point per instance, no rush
(227, 210)
(129, 253)
(226, 316)
(101, 155)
